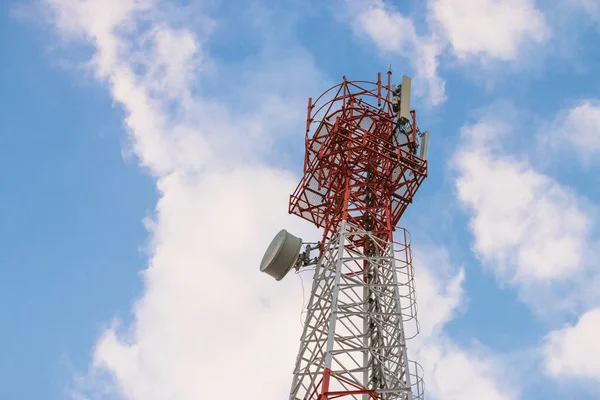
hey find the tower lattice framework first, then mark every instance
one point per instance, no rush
(361, 171)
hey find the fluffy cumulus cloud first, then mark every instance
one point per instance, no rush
(490, 28)
(525, 224)
(393, 32)
(207, 319)
(590, 7)
(574, 351)
(531, 231)
(578, 128)
(455, 373)
(483, 31)
(537, 235)
(452, 372)
(207, 314)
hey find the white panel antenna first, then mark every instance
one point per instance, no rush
(424, 143)
(405, 99)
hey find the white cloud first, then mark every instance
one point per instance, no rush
(590, 7)
(488, 28)
(463, 374)
(532, 232)
(207, 316)
(439, 290)
(451, 372)
(574, 351)
(526, 226)
(579, 128)
(392, 32)
(536, 234)
(207, 313)
(167, 75)
(481, 31)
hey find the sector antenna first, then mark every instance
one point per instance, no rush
(364, 162)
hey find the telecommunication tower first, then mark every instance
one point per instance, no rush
(363, 165)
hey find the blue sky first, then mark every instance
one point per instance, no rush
(147, 149)
(71, 227)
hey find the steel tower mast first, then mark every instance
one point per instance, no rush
(361, 171)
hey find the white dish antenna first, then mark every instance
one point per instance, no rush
(281, 255)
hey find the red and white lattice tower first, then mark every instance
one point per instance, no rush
(363, 165)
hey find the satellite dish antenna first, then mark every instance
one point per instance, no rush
(281, 255)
